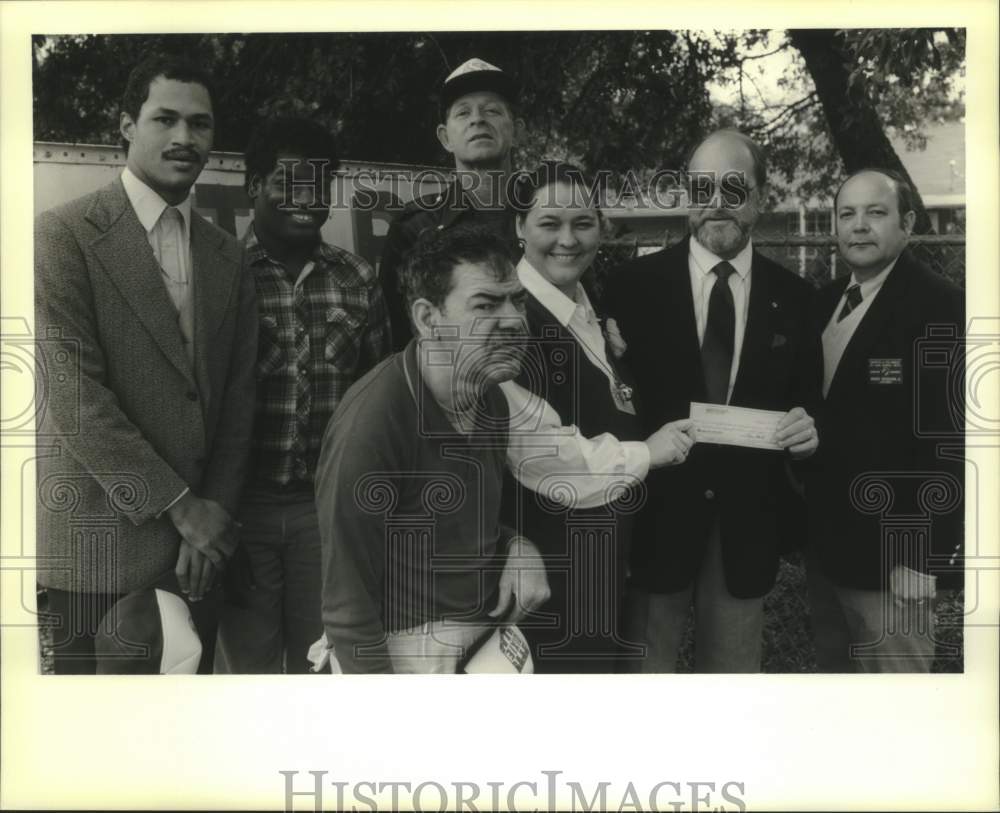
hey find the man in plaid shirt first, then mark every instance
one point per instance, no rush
(323, 324)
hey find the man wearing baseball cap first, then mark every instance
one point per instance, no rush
(478, 128)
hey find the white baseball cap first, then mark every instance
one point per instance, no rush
(475, 75)
(148, 632)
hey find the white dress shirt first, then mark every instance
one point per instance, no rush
(558, 460)
(562, 464)
(701, 261)
(170, 239)
(837, 335)
(577, 315)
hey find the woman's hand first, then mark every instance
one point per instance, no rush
(670, 444)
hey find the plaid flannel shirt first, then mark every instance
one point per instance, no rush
(339, 306)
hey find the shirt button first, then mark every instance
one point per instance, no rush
(709, 494)
(192, 396)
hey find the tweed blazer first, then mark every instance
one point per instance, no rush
(125, 421)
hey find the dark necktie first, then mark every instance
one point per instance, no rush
(853, 300)
(720, 334)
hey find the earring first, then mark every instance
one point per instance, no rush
(521, 244)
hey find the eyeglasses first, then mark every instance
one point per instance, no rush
(731, 188)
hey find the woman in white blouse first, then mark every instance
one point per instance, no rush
(571, 366)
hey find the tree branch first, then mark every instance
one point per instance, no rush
(794, 107)
(783, 47)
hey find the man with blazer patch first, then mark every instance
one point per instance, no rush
(885, 492)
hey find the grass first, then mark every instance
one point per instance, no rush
(788, 644)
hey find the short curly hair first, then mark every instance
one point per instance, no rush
(427, 273)
(169, 67)
(288, 135)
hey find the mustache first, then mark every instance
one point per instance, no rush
(715, 214)
(182, 155)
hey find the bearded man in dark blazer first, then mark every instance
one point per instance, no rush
(712, 320)
(147, 333)
(885, 491)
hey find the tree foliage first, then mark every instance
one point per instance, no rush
(844, 92)
(613, 100)
(610, 99)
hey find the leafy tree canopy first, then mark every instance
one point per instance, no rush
(613, 100)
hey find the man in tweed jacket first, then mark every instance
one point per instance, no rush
(146, 344)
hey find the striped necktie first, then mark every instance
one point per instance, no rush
(853, 295)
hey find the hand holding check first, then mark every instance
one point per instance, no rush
(757, 428)
(671, 443)
(797, 433)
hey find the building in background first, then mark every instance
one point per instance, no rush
(938, 171)
(364, 196)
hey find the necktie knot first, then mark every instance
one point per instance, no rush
(723, 270)
(172, 214)
(852, 298)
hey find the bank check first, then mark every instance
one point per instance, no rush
(735, 426)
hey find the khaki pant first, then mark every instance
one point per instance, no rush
(864, 630)
(728, 630)
(436, 647)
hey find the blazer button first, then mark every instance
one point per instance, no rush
(709, 494)
(192, 396)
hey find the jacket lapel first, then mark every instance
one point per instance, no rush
(680, 299)
(215, 276)
(127, 258)
(877, 319)
(757, 333)
(829, 297)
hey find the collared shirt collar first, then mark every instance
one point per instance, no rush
(870, 286)
(705, 260)
(149, 206)
(431, 415)
(256, 251)
(551, 298)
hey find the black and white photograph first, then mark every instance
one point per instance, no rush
(636, 382)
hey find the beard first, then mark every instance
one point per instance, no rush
(724, 237)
